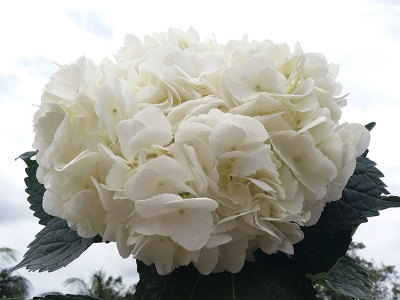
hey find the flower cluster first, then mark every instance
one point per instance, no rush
(183, 151)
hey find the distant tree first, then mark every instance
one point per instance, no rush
(7, 256)
(130, 292)
(385, 279)
(102, 287)
(11, 286)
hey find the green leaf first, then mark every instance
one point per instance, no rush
(328, 240)
(34, 189)
(363, 197)
(270, 277)
(7, 255)
(319, 251)
(349, 279)
(371, 125)
(54, 247)
(388, 202)
(66, 297)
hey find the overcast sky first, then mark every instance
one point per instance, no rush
(362, 36)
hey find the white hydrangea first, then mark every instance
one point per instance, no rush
(183, 151)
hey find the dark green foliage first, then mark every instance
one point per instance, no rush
(54, 247)
(362, 197)
(34, 189)
(270, 277)
(318, 252)
(370, 126)
(348, 278)
(384, 280)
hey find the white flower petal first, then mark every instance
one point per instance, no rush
(308, 163)
(148, 127)
(187, 221)
(207, 260)
(158, 250)
(233, 255)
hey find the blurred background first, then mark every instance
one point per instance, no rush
(362, 36)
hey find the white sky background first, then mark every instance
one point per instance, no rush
(362, 36)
